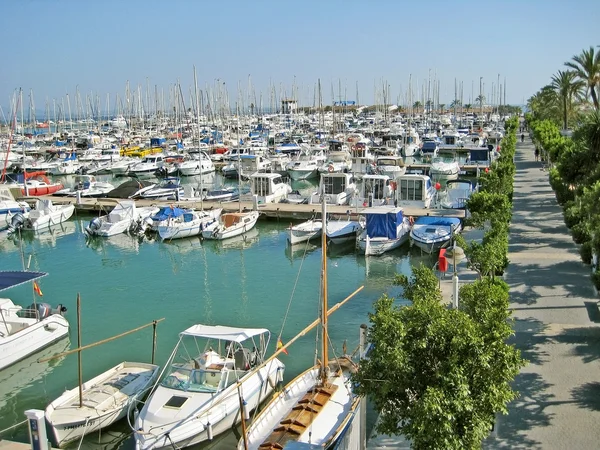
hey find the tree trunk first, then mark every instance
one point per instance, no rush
(594, 97)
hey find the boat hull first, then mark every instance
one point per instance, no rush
(68, 422)
(43, 221)
(35, 337)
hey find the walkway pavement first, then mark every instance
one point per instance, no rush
(557, 324)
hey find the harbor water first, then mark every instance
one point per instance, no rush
(251, 281)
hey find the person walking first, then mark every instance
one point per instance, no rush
(522, 137)
(537, 154)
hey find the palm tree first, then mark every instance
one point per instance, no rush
(587, 67)
(417, 105)
(442, 107)
(468, 106)
(480, 99)
(455, 104)
(566, 84)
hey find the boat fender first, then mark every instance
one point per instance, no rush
(393, 185)
(330, 168)
(411, 220)
(246, 410)
(209, 431)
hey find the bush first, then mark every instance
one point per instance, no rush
(586, 252)
(581, 233)
(596, 279)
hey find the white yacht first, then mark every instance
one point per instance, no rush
(375, 190)
(147, 166)
(392, 166)
(306, 165)
(415, 190)
(386, 228)
(268, 188)
(211, 371)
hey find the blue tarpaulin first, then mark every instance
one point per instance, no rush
(438, 221)
(10, 279)
(167, 212)
(384, 223)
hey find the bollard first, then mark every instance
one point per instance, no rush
(79, 197)
(255, 202)
(455, 290)
(37, 429)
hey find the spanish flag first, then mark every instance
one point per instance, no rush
(280, 345)
(37, 290)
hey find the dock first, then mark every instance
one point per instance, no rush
(286, 211)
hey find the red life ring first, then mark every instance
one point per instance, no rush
(393, 185)
(330, 168)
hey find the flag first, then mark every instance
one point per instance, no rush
(37, 290)
(280, 345)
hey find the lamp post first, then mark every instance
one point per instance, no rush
(457, 254)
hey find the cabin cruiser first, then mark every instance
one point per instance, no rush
(119, 220)
(305, 166)
(443, 169)
(267, 188)
(457, 194)
(375, 190)
(147, 166)
(86, 186)
(432, 233)
(415, 190)
(392, 166)
(338, 189)
(196, 164)
(169, 189)
(362, 159)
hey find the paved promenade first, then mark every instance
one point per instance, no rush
(556, 323)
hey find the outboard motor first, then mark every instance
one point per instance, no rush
(16, 222)
(93, 226)
(43, 310)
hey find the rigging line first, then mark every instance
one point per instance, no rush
(87, 419)
(287, 311)
(14, 426)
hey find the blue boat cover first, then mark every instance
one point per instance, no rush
(384, 224)
(438, 221)
(10, 279)
(167, 212)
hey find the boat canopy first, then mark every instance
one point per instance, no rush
(438, 221)
(383, 222)
(167, 212)
(10, 279)
(224, 333)
(479, 155)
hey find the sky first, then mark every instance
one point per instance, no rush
(52, 48)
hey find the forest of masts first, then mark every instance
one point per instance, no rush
(214, 102)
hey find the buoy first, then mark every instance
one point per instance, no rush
(209, 431)
(438, 186)
(487, 170)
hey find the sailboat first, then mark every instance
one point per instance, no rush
(315, 408)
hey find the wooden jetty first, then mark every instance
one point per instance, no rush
(286, 211)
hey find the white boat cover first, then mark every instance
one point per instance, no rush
(224, 333)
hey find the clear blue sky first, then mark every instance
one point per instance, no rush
(54, 46)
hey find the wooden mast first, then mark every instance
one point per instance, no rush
(325, 336)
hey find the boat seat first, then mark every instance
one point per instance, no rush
(115, 217)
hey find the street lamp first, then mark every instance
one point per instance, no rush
(457, 254)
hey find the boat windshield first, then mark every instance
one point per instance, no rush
(184, 377)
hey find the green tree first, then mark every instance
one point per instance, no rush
(439, 375)
(587, 67)
(468, 107)
(566, 86)
(417, 105)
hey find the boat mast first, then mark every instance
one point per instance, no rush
(198, 131)
(325, 336)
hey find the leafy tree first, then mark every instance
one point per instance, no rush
(491, 206)
(439, 375)
(587, 67)
(566, 86)
(468, 107)
(417, 105)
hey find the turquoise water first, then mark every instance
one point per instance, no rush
(125, 283)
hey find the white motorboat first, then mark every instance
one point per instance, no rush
(338, 189)
(86, 186)
(226, 194)
(392, 166)
(66, 166)
(305, 166)
(375, 190)
(432, 233)
(9, 207)
(147, 166)
(200, 395)
(189, 223)
(25, 331)
(230, 224)
(46, 214)
(411, 143)
(268, 188)
(105, 400)
(305, 231)
(313, 410)
(169, 189)
(415, 190)
(444, 169)
(457, 194)
(120, 219)
(197, 164)
(386, 228)
(340, 231)
(362, 159)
